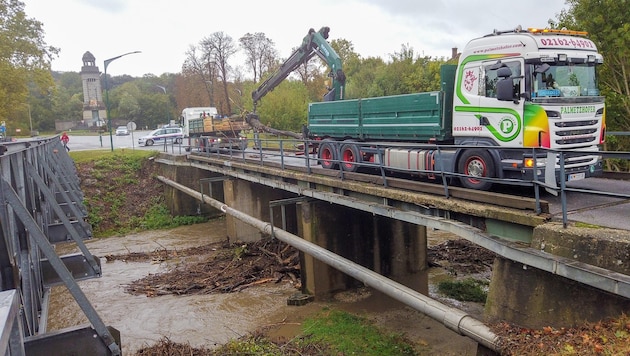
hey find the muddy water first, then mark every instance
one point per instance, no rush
(208, 320)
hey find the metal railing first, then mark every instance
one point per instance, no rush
(42, 204)
(287, 151)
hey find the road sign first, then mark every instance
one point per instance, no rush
(131, 126)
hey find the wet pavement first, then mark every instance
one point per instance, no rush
(213, 319)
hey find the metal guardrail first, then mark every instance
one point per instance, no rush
(42, 204)
(279, 148)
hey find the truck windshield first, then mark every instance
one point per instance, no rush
(564, 80)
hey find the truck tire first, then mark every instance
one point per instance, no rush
(350, 157)
(327, 154)
(476, 163)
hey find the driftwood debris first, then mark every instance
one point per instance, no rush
(231, 268)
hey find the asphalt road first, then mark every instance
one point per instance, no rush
(81, 142)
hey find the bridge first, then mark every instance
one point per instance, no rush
(352, 228)
(379, 222)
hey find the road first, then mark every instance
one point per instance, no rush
(81, 142)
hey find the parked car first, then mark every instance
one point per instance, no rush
(122, 131)
(168, 135)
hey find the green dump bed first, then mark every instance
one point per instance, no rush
(417, 117)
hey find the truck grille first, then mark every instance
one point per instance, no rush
(575, 123)
(572, 141)
(576, 133)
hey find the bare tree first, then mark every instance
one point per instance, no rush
(196, 65)
(217, 50)
(260, 53)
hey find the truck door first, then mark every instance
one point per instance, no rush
(502, 119)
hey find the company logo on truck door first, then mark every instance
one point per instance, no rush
(507, 125)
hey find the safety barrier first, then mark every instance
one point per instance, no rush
(42, 204)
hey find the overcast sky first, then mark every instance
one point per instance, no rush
(164, 29)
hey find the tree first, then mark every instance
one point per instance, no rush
(260, 53)
(24, 58)
(608, 25)
(285, 107)
(217, 50)
(197, 73)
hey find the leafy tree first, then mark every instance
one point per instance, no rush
(285, 107)
(608, 25)
(24, 58)
(361, 76)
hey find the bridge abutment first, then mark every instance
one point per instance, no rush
(535, 298)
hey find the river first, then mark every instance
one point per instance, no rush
(214, 319)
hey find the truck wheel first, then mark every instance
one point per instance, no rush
(476, 163)
(149, 142)
(350, 157)
(327, 154)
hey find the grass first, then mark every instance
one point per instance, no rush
(348, 334)
(468, 290)
(117, 204)
(330, 332)
(109, 157)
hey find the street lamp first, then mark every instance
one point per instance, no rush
(109, 119)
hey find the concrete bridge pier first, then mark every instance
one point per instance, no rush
(391, 248)
(253, 199)
(181, 203)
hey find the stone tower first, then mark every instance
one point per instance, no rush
(94, 113)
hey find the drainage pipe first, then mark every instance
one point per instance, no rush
(452, 318)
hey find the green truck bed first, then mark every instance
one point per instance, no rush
(410, 117)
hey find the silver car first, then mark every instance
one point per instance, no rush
(122, 131)
(166, 134)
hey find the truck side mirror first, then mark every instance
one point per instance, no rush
(505, 89)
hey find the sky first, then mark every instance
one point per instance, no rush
(163, 30)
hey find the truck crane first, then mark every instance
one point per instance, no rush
(512, 92)
(314, 43)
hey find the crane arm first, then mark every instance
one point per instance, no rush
(314, 43)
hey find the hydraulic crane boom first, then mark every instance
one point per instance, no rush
(314, 43)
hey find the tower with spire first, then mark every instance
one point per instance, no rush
(94, 112)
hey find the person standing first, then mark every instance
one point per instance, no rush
(65, 139)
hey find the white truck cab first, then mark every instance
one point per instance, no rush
(531, 88)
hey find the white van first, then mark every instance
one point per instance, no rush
(166, 134)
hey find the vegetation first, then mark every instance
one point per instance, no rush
(608, 25)
(347, 334)
(468, 290)
(331, 332)
(121, 193)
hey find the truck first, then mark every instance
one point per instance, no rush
(206, 130)
(513, 101)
